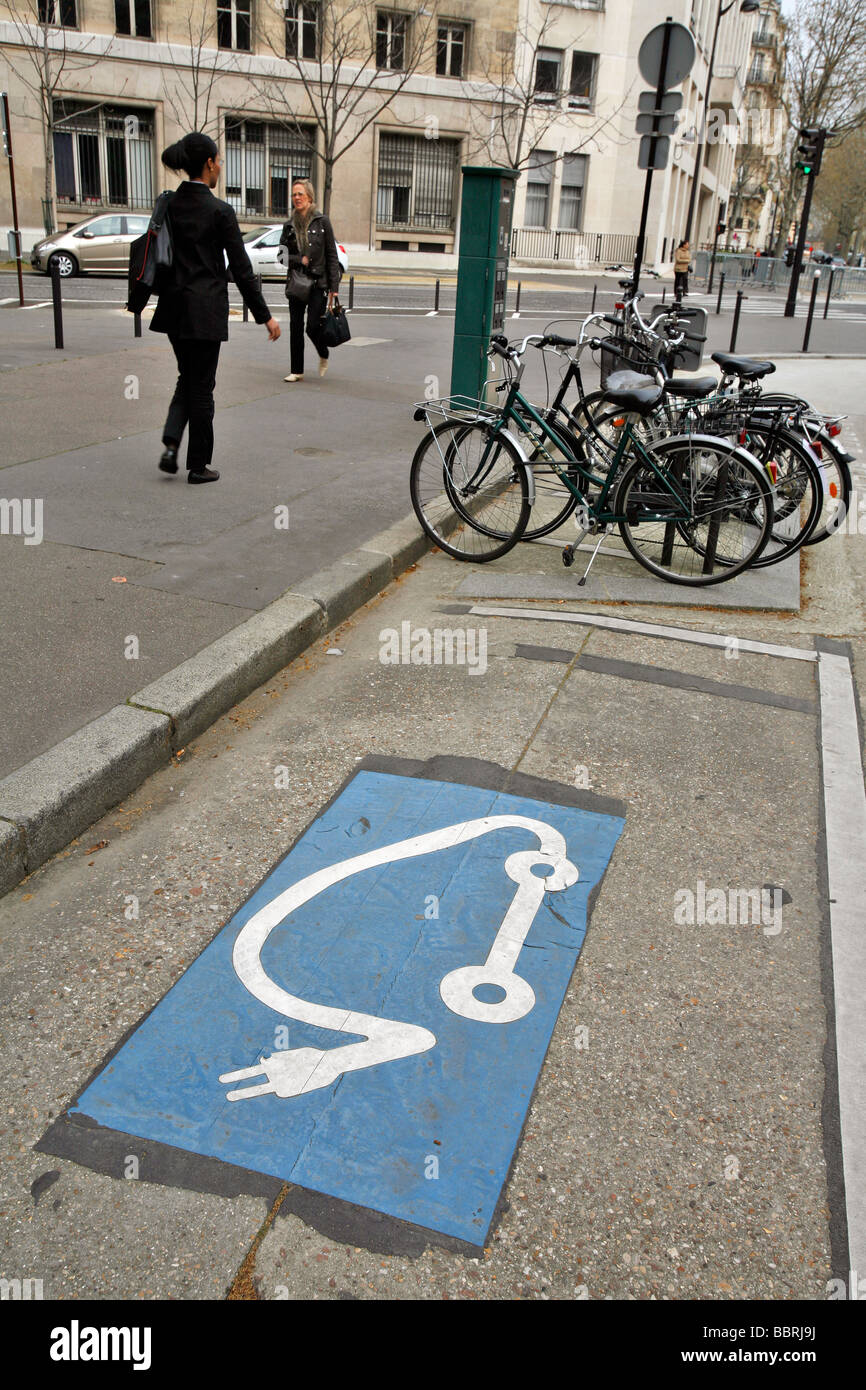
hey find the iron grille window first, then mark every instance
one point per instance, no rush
(451, 50)
(548, 74)
(234, 24)
(391, 32)
(60, 12)
(133, 17)
(581, 92)
(103, 155)
(416, 182)
(571, 193)
(538, 178)
(262, 159)
(302, 28)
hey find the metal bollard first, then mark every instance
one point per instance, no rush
(594, 293)
(664, 293)
(815, 282)
(436, 299)
(721, 292)
(736, 323)
(137, 325)
(351, 291)
(58, 307)
(829, 292)
(517, 304)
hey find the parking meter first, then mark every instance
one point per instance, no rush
(482, 272)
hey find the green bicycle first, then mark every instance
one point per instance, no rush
(692, 509)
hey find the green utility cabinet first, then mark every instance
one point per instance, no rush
(482, 272)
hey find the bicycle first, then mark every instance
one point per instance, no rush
(694, 510)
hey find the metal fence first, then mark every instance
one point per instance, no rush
(585, 248)
(770, 273)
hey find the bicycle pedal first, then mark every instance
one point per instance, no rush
(568, 556)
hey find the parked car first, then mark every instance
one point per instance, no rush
(262, 245)
(826, 258)
(101, 243)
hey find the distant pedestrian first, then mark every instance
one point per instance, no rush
(682, 266)
(310, 248)
(194, 309)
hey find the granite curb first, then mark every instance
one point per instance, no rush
(53, 798)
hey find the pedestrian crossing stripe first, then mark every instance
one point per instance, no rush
(370, 1025)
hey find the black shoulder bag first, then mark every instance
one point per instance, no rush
(151, 258)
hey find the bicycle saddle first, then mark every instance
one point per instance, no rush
(748, 368)
(692, 388)
(633, 393)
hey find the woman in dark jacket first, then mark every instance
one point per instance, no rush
(309, 241)
(194, 309)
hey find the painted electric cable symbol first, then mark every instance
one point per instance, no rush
(299, 1070)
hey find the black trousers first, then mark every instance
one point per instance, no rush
(192, 402)
(315, 308)
(681, 281)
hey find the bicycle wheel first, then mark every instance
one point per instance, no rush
(836, 495)
(469, 491)
(798, 490)
(719, 525)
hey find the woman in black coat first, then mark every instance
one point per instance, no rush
(308, 238)
(194, 309)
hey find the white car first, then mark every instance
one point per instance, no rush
(262, 245)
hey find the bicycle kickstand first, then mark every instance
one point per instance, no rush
(605, 531)
(569, 550)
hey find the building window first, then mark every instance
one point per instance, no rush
(538, 178)
(234, 24)
(302, 28)
(548, 74)
(756, 72)
(416, 182)
(261, 161)
(571, 194)
(133, 17)
(581, 91)
(103, 156)
(451, 50)
(60, 12)
(391, 32)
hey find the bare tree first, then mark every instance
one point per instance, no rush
(195, 65)
(48, 63)
(348, 70)
(522, 99)
(840, 194)
(826, 81)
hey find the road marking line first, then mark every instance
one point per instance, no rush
(677, 634)
(845, 820)
(44, 305)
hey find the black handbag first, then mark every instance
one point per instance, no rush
(334, 326)
(299, 286)
(151, 258)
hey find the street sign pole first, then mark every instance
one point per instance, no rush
(7, 150)
(817, 147)
(660, 91)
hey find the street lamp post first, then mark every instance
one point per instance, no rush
(746, 7)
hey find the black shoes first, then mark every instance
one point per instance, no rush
(207, 475)
(168, 462)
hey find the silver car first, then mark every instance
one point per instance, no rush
(101, 243)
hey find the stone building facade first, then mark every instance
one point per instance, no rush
(98, 88)
(756, 197)
(122, 79)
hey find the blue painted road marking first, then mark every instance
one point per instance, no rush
(385, 997)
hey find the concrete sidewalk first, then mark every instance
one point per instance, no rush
(683, 1139)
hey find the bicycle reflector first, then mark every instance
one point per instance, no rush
(833, 430)
(773, 470)
(817, 449)
(619, 306)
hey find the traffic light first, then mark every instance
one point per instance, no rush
(811, 150)
(789, 255)
(721, 227)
